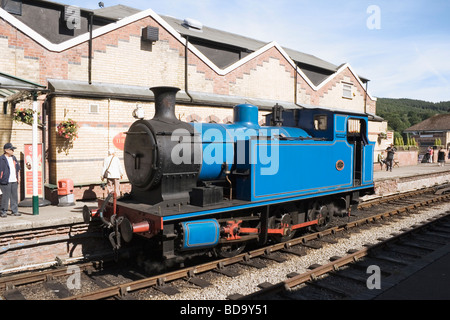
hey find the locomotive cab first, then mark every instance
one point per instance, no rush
(337, 126)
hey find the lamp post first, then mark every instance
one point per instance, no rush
(35, 156)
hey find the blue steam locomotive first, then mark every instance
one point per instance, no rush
(207, 187)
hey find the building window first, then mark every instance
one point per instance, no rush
(347, 91)
(94, 108)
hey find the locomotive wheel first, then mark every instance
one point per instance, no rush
(319, 211)
(235, 247)
(229, 250)
(280, 222)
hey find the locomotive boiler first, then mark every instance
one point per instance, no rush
(209, 187)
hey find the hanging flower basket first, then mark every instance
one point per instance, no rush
(24, 115)
(68, 129)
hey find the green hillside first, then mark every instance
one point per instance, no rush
(404, 113)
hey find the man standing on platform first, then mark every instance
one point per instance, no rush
(112, 171)
(9, 173)
(390, 157)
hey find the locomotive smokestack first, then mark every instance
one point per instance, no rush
(165, 103)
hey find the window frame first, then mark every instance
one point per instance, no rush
(347, 90)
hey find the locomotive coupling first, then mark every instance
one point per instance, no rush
(114, 236)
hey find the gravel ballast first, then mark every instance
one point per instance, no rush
(249, 278)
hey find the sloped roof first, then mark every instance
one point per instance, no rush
(101, 90)
(236, 40)
(116, 12)
(439, 122)
(120, 11)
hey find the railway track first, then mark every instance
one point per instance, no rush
(354, 276)
(129, 285)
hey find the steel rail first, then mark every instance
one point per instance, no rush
(40, 276)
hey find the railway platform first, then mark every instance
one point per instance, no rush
(400, 179)
(411, 171)
(47, 216)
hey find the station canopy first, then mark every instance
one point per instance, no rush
(14, 89)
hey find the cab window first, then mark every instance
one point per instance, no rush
(320, 122)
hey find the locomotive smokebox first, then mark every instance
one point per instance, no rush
(150, 147)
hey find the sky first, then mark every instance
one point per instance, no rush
(401, 46)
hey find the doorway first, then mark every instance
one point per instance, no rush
(356, 136)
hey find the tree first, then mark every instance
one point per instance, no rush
(404, 113)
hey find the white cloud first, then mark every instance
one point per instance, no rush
(411, 68)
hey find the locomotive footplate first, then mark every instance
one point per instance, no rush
(144, 219)
(151, 220)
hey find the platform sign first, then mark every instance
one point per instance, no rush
(390, 135)
(119, 140)
(28, 170)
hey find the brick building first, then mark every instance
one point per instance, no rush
(98, 66)
(430, 131)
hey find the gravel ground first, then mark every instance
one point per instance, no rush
(249, 278)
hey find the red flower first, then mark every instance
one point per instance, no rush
(68, 129)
